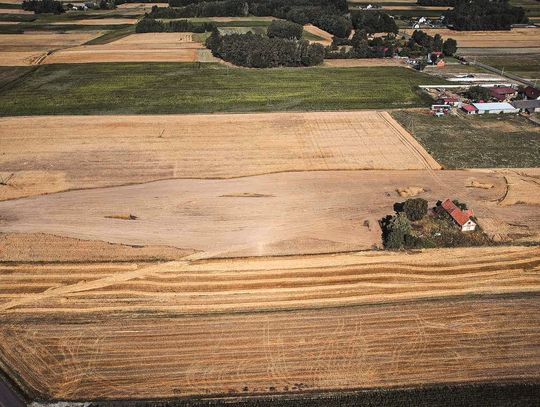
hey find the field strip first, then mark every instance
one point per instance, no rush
(338, 280)
(288, 323)
(237, 217)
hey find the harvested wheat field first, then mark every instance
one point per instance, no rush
(27, 48)
(516, 38)
(350, 63)
(12, 11)
(99, 21)
(275, 214)
(147, 47)
(97, 151)
(257, 326)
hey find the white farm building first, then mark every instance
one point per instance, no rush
(495, 108)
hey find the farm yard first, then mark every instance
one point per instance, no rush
(203, 223)
(475, 142)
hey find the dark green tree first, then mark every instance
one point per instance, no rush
(449, 47)
(415, 208)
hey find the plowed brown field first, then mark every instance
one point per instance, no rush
(265, 325)
(90, 151)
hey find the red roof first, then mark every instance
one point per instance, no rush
(468, 108)
(501, 92)
(532, 93)
(461, 217)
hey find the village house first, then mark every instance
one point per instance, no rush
(469, 109)
(527, 106)
(460, 217)
(532, 93)
(502, 93)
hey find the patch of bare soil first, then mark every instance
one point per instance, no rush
(302, 212)
(39, 247)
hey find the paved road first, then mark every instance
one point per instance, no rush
(8, 398)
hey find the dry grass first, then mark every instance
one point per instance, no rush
(195, 328)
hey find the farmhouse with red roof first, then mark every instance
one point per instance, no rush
(462, 218)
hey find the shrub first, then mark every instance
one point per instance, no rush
(415, 208)
(285, 29)
(395, 228)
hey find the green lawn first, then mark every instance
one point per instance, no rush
(125, 88)
(488, 141)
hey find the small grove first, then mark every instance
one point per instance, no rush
(146, 25)
(280, 47)
(414, 226)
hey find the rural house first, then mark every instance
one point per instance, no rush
(495, 108)
(528, 106)
(531, 93)
(502, 93)
(462, 218)
(469, 109)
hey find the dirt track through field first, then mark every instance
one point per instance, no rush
(329, 322)
(96, 151)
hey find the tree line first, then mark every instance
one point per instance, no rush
(326, 14)
(43, 6)
(258, 51)
(150, 25)
(374, 22)
(484, 15)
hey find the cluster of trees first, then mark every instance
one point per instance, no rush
(477, 93)
(374, 22)
(224, 8)
(359, 46)
(43, 6)
(484, 15)
(421, 43)
(326, 14)
(285, 29)
(150, 25)
(397, 228)
(258, 51)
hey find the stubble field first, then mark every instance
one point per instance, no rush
(314, 323)
(89, 151)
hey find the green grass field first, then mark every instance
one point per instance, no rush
(488, 141)
(526, 66)
(126, 88)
